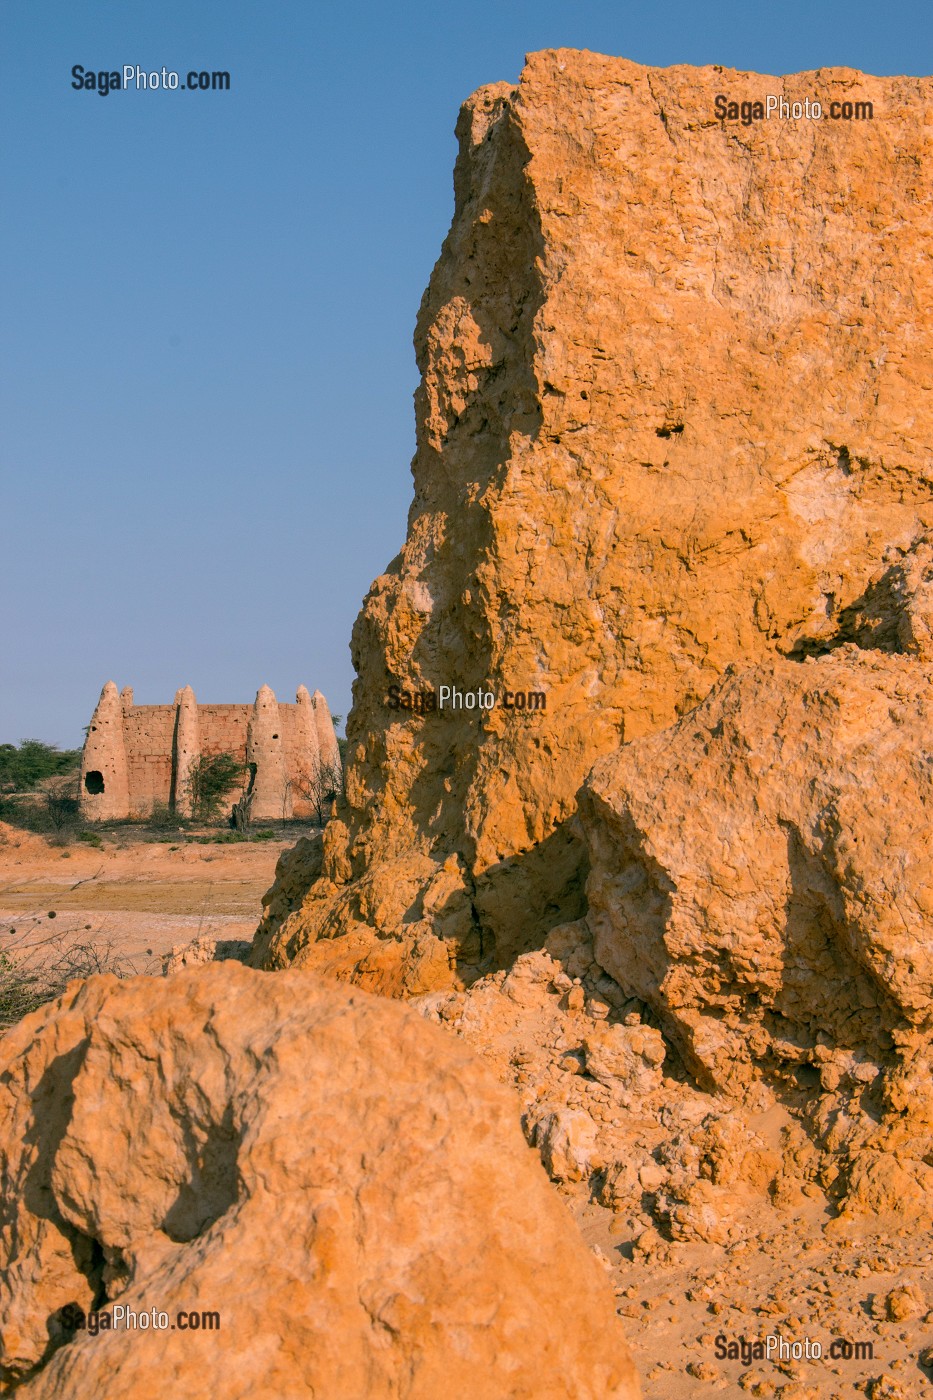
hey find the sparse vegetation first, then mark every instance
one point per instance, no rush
(34, 972)
(162, 818)
(62, 807)
(320, 788)
(20, 992)
(24, 767)
(52, 811)
(213, 777)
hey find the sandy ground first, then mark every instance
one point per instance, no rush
(789, 1278)
(131, 901)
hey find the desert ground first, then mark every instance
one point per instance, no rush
(127, 903)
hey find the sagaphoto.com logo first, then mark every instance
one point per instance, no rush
(132, 78)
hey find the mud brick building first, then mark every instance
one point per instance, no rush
(139, 757)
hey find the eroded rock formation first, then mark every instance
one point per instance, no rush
(673, 412)
(347, 1187)
(762, 878)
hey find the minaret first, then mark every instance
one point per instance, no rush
(264, 747)
(105, 786)
(326, 736)
(186, 751)
(307, 749)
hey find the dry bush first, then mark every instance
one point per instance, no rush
(37, 969)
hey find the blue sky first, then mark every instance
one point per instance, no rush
(208, 302)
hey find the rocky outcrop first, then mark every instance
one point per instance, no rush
(762, 878)
(343, 1186)
(608, 1105)
(672, 414)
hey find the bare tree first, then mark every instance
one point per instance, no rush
(61, 804)
(320, 787)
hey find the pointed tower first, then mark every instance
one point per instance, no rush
(265, 748)
(326, 736)
(105, 787)
(307, 755)
(186, 750)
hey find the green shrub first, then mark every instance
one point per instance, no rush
(212, 779)
(23, 768)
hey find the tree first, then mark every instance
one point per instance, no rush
(211, 779)
(319, 787)
(22, 769)
(61, 804)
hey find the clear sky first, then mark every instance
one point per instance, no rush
(208, 302)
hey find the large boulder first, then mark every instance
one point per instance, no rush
(762, 877)
(345, 1186)
(673, 411)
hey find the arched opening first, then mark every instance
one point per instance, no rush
(94, 781)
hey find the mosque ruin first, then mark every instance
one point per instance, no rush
(140, 757)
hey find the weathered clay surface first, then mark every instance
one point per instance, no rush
(762, 877)
(673, 411)
(346, 1186)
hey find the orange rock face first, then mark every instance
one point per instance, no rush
(673, 411)
(344, 1185)
(762, 877)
